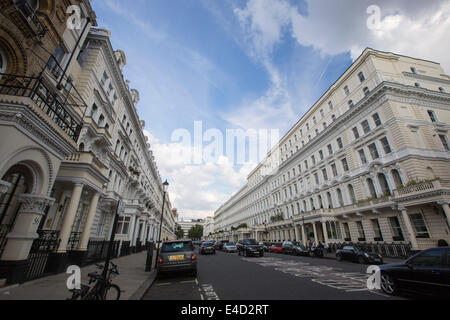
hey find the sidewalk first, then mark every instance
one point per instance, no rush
(132, 280)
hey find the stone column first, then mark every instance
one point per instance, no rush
(325, 232)
(409, 228)
(297, 237)
(316, 238)
(84, 238)
(446, 208)
(13, 264)
(303, 235)
(69, 217)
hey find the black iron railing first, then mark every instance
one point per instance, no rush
(41, 249)
(74, 241)
(98, 250)
(387, 250)
(35, 89)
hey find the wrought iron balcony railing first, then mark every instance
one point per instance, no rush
(35, 89)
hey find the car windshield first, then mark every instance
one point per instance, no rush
(298, 244)
(177, 246)
(251, 242)
(208, 244)
(230, 244)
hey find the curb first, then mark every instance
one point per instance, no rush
(145, 286)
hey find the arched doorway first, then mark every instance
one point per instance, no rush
(21, 179)
(3, 62)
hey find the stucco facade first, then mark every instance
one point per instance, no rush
(73, 144)
(369, 163)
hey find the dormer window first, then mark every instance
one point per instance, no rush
(441, 89)
(417, 85)
(351, 104)
(366, 91)
(330, 104)
(361, 77)
(346, 90)
(413, 70)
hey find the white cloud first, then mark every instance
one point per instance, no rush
(196, 190)
(411, 27)
(414, 28)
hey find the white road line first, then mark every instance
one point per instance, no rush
(163, 284)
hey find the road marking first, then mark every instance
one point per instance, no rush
(163, 284)
(188, 281)
(324, 275)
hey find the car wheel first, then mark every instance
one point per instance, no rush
(361, 260)
(339, 258)
(194, 272)
(262, 254)
(388, 284)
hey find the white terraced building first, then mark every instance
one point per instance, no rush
(368, 163)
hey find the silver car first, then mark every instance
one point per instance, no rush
(229, 247)
(177, 256)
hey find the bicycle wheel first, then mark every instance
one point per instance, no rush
(112, 292)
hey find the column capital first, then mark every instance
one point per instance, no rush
(34, 204)
(443, 202)
(4, 187)
(79, 185)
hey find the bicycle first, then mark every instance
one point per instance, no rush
(102, 289)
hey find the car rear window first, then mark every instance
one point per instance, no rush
(177, 247)
(208, 244)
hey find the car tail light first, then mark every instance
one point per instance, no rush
(194, 257)
(160, 260)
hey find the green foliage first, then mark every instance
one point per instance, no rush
(278, 217)
(196, 232)
(179, 233)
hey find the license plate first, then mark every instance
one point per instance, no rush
(176, 258)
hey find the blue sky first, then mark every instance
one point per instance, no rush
(247, 64)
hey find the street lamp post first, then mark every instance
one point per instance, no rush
(165, 187)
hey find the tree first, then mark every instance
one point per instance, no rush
(196, 232)
(179, 233)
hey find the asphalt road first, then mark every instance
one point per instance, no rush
(226, 276)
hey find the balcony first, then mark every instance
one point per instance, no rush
(43, 98)
(86, 158)
(422, 187)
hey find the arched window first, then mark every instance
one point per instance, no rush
(320, 201)
(93, 110)
(351, 192)
(330, 201)
(81, 147)
(372, 189)
(397, 179)
(340, 198)
(312, 204)
(366, 91)
(384, 184)
(2, 62)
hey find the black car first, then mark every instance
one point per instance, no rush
(295, 248)
(249, 248)
(207, 248)
(351, 252)
(219, 244)
(427, 272)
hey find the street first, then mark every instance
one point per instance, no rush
(226, 276)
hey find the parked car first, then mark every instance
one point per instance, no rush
(177, 256)
(351, 252)
(207, 248)
(265, 246)
(276, 248)
(295, 248)
(249, 248)
(229, 247)
(219, 244)
(427, 272)
(196, 243)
